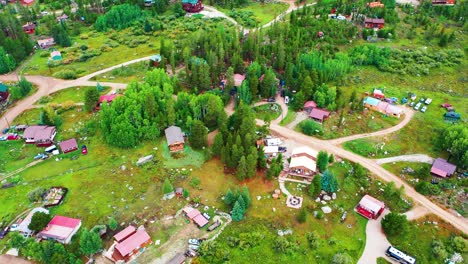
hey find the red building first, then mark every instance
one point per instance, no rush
(374, 23)
(29, 28)
(129, 242)
(443, 2)
(378, 94)
(68, 145)
(369, 207)
(192, 6)
(27, 2)
(319, 115)
(108, 98)
(42, 136)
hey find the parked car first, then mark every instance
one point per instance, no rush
(286, 100)
(411, 104)
(282, 149)
(422, 99)
(12, 137)
(193, 247)
(4, 131)
(41, 156)
(84, 150)
(423, 109)
(4, 232)
(428, 101)
(193, 241)
(418, 105)
(190, 253)
(4, 138)
(50, 149)
(13, 227)
(207, 216)
(271, 100)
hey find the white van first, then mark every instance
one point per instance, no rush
(50, 149)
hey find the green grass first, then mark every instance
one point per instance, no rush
(15, 154)
(72, 94)
(267, 112)
(188, 157)
(30, 116)
(288, 118)
(132, 72)
(262, 13)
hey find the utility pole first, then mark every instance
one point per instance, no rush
(6, 120)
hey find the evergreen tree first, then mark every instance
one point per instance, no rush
(218, 143)
(237, 212)
(395, 224)
(302, 216)
(113, 224)
(322, 161)
(229, 85)
(329, 182)
(46, 117)
(185, 193)
(261, 161)
(311, 189)
(167, 186)
(199, 135)
(7, 63)
(246, 196)
(91, 99)
(242, 169)
(229, 198)
(306, 87)
(241, 202)
(90, 242)
(268, 84)
(299, 100)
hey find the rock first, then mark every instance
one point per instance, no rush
(157, 242)
(317, 200)
(327, 197)
(123, 167)
(323, 192)
(280, 233)
(258, 198)
(274, 209)
(326, 209)
(334, 196)
(323, 202)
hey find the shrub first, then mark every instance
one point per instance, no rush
(66, 74)
(425, 188)
(395, 224)
(84, 36)
(36, 194)
(310, 127)
(44, 54)
(112, 224)
(302, 216)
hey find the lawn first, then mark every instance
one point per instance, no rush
(15, 154)
(289, 118)
(125, 74)
(261, 13)
(72, 94)
(267, 112)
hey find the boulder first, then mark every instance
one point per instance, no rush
(334, 196)
(323, 202)
(327, 197)
(326, 209)
(317, 200)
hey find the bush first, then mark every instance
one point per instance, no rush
(395, 224)
(427, 188)
(310, 127)
(44, 54)
(66, 74)
(302, 216)
(36, 194)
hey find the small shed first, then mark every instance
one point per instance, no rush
(68, 145)
(155, 60)
(369, 207)
(442, 168)
(179, 192)
(56, 55)
(46, 43)
(378, 94)
(3, 92)
(175, 138)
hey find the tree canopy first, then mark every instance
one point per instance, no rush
(39, 220)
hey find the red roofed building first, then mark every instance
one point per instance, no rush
(42, 136)
(375, 4)
(378, 94)
(29, 28)
(119, 237)
(443, 2)
(369, 207)
(374, 23)
(27, 2)
(106, 98)
(68, 145)
(319, 114)
(195, 215)
(61, 229)
(309, 105)
(200, 220)
(442, 168)
(133, 242)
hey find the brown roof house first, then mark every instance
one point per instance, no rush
(175, 138)
(442, 168)
(129, 243)
(319, 115)
(309, 105)
(42, 136)
(68, 145)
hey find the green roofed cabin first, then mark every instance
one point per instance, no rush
(192, 6)
(3, 92)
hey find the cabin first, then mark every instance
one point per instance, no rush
(179, 192)
(107, 98)
(29, 28)
(23, 228)
(68, 145)
(175, 138)
(3, 92)
(27, 2)
(375, 23)
(444, 2)
(155, 60)
(192, 6)
(130, 242)
(46, 43)
(452, 116)
(304, 152)
(302, 166)
(319, 115)
(55, 55)
(195, 216)
(442, 168)
(61, 229)
(62, 18)
(382, 107)
(309, 105)
(369, 207)
(377, 4)
(42, 136)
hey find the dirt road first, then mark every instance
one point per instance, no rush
(409, 158)
(458, 222)
(376, 242)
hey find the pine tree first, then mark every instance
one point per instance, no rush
(237, 212)
(322, 161)
(241, 202)
(302, 216)
(261, 161)
(229, 198)
(246, 196)
(91, 99)
(311, 189)
(242, 169)
(7, 63)
(167, 186)
(199, 135)
(329, 182)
